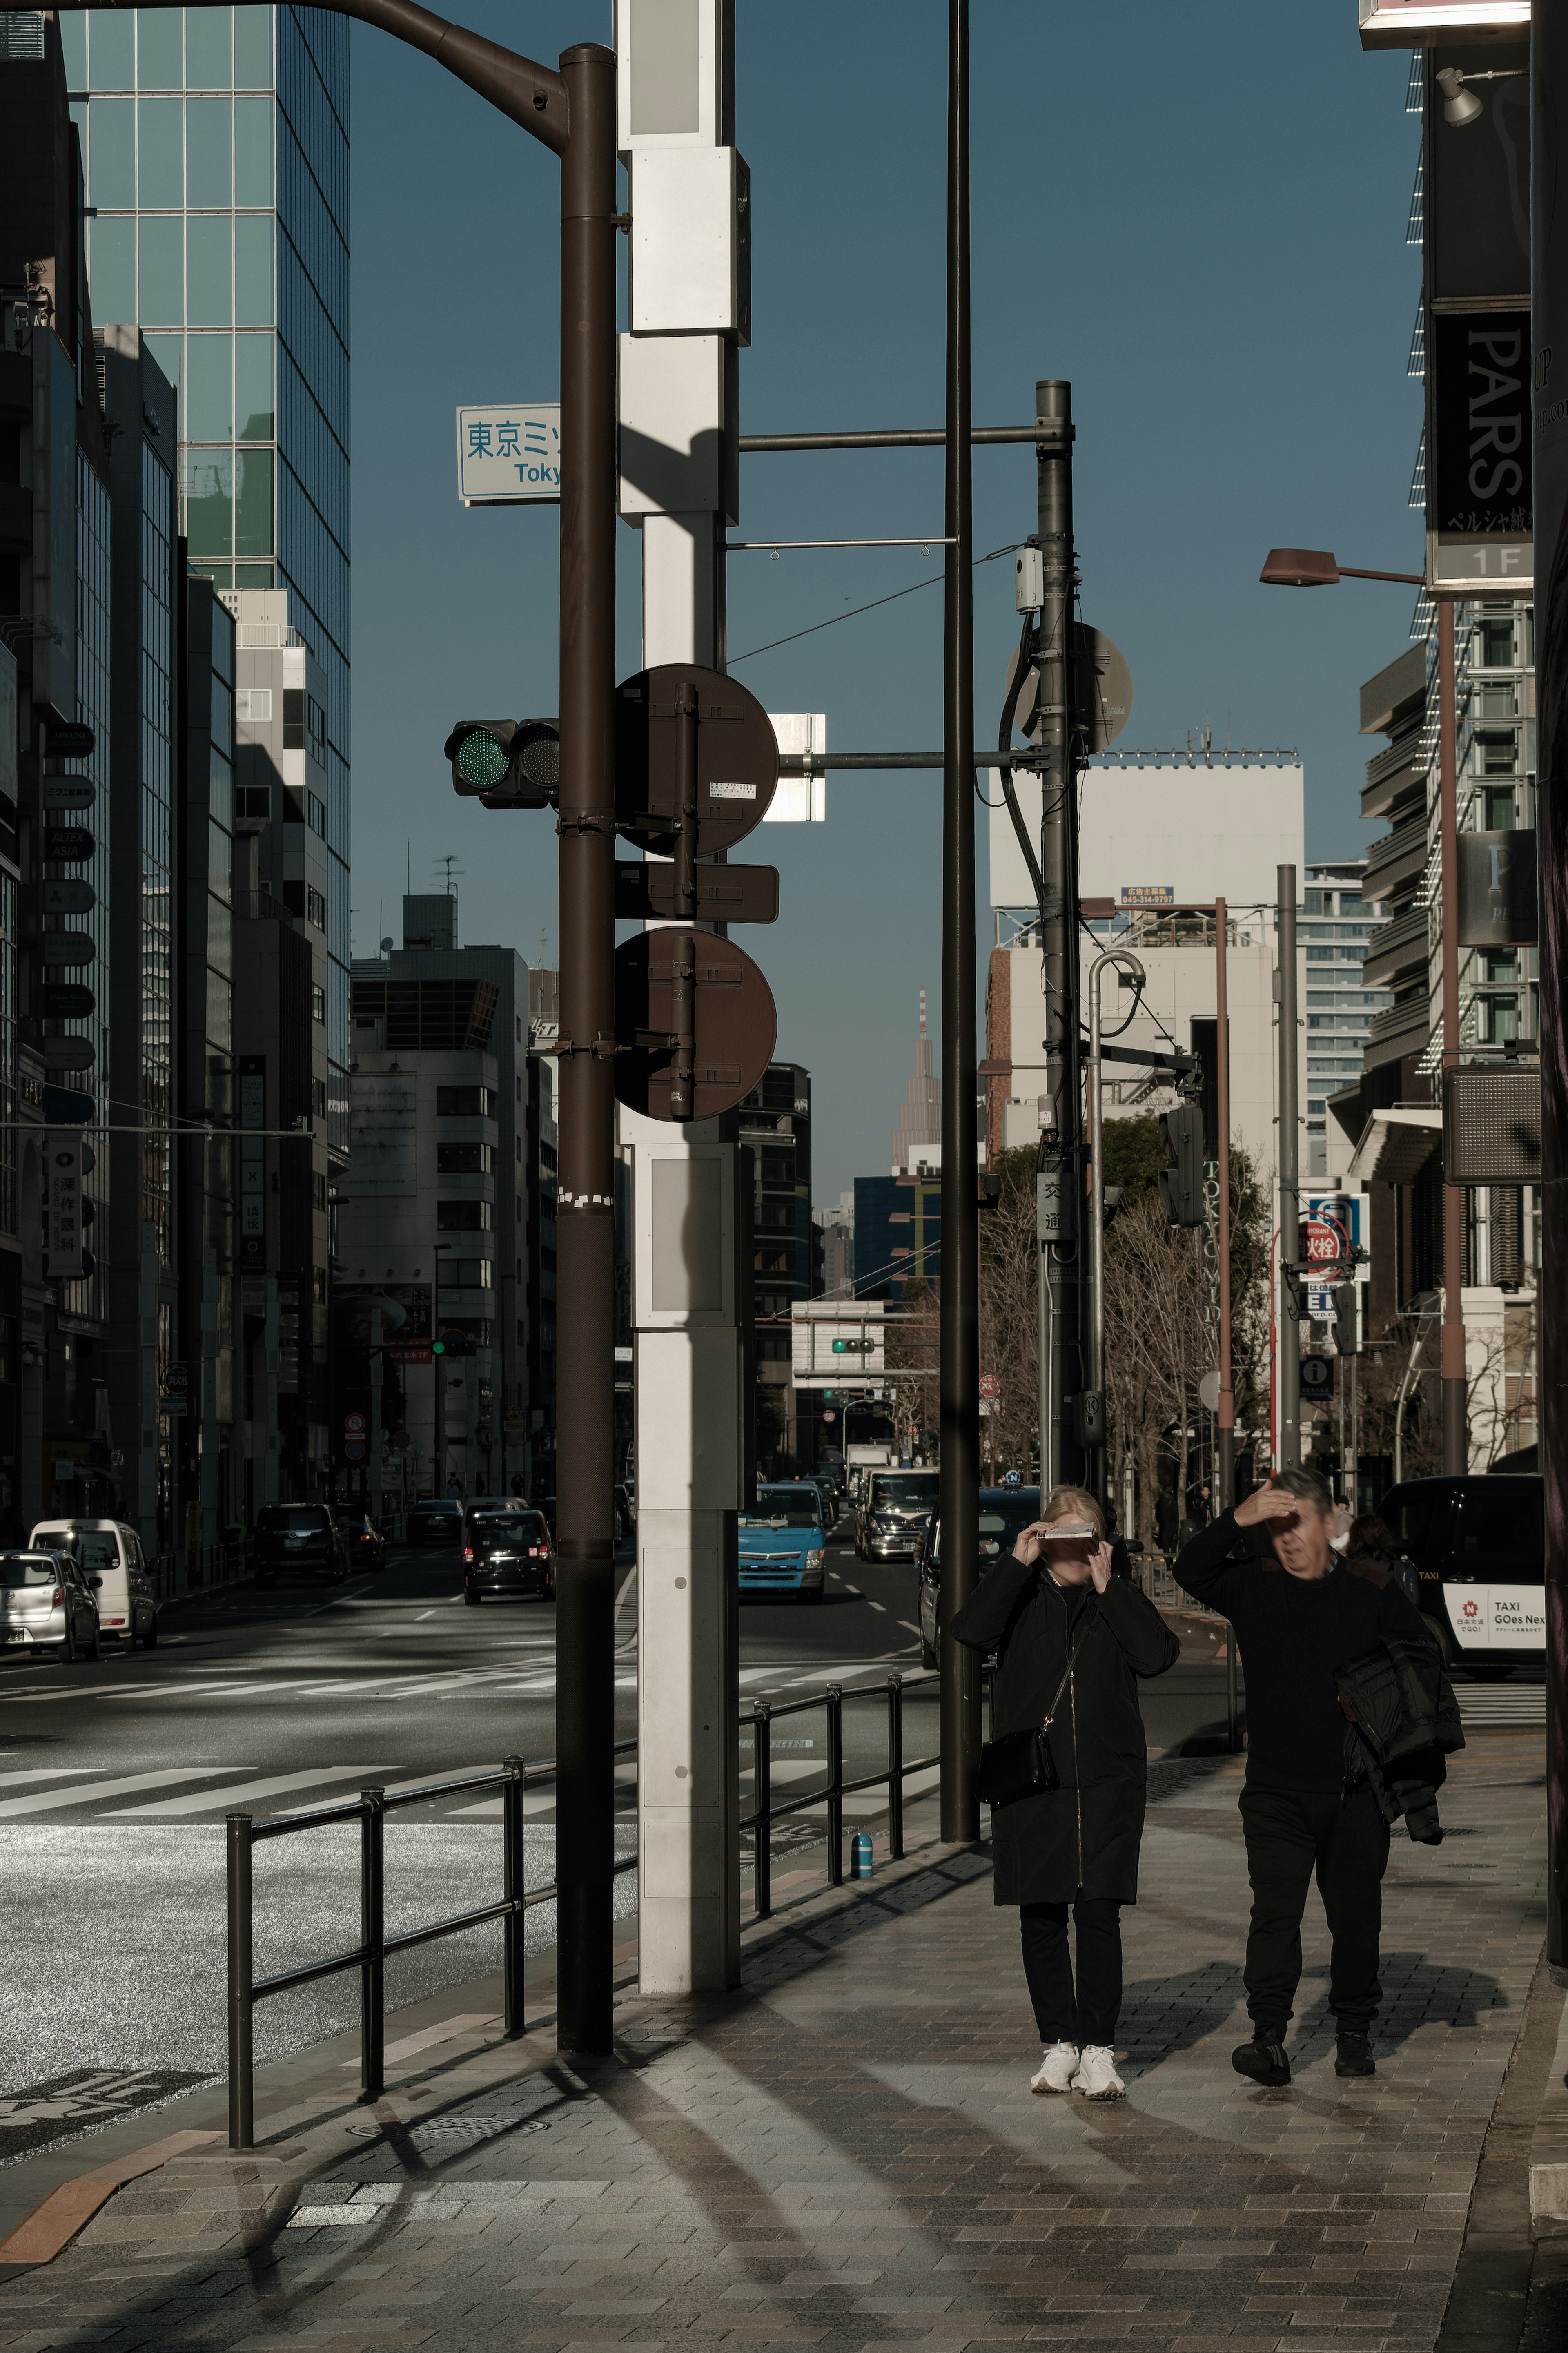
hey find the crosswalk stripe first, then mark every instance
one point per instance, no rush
(43, 1773)
(242, 1793)
(45, 1800)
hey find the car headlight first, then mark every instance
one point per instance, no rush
(813, 1561)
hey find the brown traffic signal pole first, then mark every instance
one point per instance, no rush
(573, 113)
(1225, 1482)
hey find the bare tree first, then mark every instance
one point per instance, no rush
(1009, 1320)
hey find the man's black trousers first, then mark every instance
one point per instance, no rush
(1087, 2016)
(1345, 1837)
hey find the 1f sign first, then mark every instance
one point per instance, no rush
(510, 457)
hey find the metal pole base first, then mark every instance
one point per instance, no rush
(1456, 1427)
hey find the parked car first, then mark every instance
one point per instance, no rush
(1003, 1511)
(894, 1508)
(1479, 1545)
(438, 1520)
(367, 1546)
(506, 1550)
(49, 1602)
(783, 1542)
(111, 1552)
(298, 1540)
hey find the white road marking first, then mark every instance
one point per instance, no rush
(242, 1793)
(43, 1773)
(423, 1614)
(48, 1799)
(907, 1628)
(878, 1605)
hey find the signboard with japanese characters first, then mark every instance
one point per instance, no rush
(509, 455)
(64, 1204)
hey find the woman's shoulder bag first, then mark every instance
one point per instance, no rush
(1020, 1765)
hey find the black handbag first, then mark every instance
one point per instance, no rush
(1020, 1765)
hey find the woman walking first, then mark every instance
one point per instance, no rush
(1071, 1642)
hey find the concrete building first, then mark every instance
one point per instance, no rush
(919, 1131)
(776, 1122)
(837, 1228)
(1337, 921)
(215, 153)
(449, 1194)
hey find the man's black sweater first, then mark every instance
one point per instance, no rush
(1294, 1634)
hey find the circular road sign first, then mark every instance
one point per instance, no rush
(402, 1442)
(737, 759)
(1208, 1392)
(354, 1424)
(1102, 691)
(353, 1450)
(736, 1024)
(830, 1415)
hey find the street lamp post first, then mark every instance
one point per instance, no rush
(1094, 1255)
(1224, 1466)
(1307, 567)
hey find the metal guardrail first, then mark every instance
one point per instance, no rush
(369, 1809)
(764, 1813)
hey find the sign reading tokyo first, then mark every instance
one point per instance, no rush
(510, 456)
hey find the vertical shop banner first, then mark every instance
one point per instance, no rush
(63, 1204)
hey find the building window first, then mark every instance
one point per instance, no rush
(1499, 1019)
(319, 1186)
(318, 1005)
(465, 1102)
(316, 815)
(1499, 808)
(465, 1159)
(1497, 645)
(315, 908)
(465, 1217)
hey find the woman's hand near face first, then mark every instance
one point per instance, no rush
(1100, 1566)
(1026, 1545)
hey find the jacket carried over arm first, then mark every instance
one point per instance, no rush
(1085, 1834)
(1403, 1721)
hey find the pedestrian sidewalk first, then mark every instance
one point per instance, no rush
(847, 2154)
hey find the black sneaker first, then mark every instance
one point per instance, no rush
(1264, 2060)
(1352, 2056)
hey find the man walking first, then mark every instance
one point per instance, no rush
(1295, 1633)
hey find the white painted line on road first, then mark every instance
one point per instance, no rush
(907, 1628)
(43, 1773)
(878, 1605)
(48, 1799)
(428, 1613)
(205, 1800)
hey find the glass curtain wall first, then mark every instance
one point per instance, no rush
(216, 151)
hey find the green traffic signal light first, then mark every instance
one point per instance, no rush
(482, 759)
(438, 1347)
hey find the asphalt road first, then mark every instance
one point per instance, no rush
(115, 1776)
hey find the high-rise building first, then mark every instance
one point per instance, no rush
(836, 1227)
(217, 153)
(1336, 921)
(918, 1134)
(776, 1122)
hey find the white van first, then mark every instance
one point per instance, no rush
(111, 1556)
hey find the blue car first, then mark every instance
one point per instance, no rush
(783, 1542)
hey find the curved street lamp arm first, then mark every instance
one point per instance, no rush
(531, 95)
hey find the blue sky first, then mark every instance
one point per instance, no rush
(1198, 217)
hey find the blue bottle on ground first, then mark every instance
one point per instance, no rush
(861, 1855)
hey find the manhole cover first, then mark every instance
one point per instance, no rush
(452, 2128)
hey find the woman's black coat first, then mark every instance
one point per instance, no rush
(1086, 1834)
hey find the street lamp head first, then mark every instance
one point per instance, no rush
(1299, 567)
(1459, 105)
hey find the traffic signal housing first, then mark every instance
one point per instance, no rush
(506, 762)
(1347, 1319)
(1181, 1179)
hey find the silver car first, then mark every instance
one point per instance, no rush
(48, 1602)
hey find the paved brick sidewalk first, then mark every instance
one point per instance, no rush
(848, 2156)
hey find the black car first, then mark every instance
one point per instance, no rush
(1481, 1547)
(506, 1550)
(298, 1540)
(437, 1520)
(1003, 1511)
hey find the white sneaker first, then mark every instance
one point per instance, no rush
(1097, 2077)
(1056, 2068)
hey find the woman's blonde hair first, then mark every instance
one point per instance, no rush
(1062, 1500)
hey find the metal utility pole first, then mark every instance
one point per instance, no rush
(1224, 1466)
(959, 1380)
(1094, 1231)
(1288, 1348)
(1456, 1421)
(1548, 302)
(1058, 1191)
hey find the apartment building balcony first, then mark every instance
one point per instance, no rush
(1396, 859)
(1398, 1030)
(1393, 772)
(1398, 946)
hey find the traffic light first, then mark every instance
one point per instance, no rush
(1182, 1180)
(1347, 1319)
(506, 762)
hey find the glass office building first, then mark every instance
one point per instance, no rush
(216, 145)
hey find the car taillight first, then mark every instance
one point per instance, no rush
(59, 1597)
(533, 1552)
(468, 1552)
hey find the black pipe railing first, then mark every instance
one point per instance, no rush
(764, 1812)
(369, 1809)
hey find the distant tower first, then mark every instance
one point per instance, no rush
(919, 1120)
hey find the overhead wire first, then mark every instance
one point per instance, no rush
(915, 585)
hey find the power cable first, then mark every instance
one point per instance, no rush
(1012, 547)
